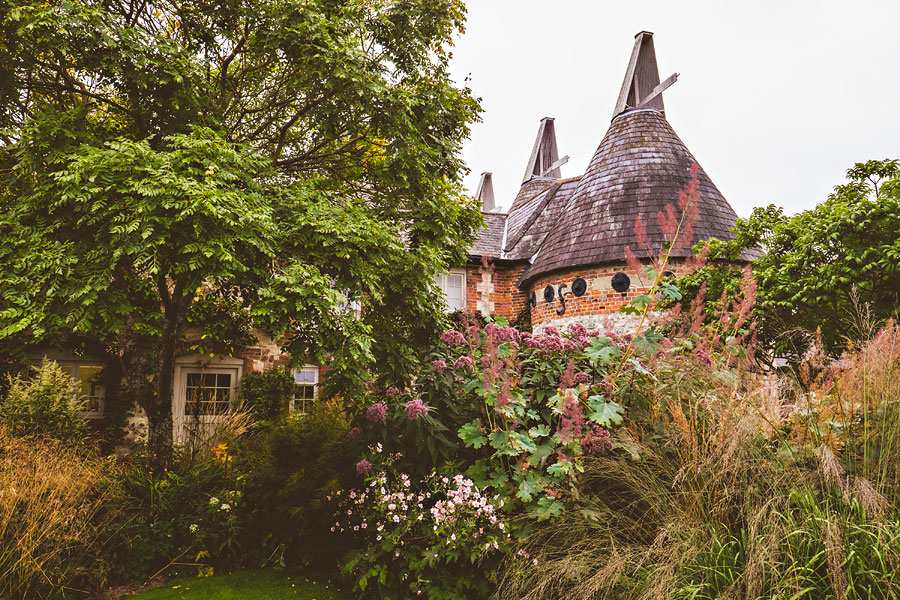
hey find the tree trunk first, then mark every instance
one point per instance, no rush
(150, 374)
(159, 416)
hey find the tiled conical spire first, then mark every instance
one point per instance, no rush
(638, 169)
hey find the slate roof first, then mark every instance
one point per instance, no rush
(490, 239)
(638, 169)
(535, 219)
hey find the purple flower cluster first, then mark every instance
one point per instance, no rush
(392, 391)
(438, 365)
(363, 467)
(415, 409)
(501, 334)
(464, 362)
(582, 377)
(596, 440)
(354, 433)
(453, 338)
(377, 412)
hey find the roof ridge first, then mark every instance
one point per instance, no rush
(549, 194)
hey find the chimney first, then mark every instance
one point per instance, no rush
(485, 193)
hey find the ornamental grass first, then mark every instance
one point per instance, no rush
(738, 485)
(50, 495)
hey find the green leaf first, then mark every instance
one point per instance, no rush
(530, 485)
(472, 435)
(601, 350)
(605, 413)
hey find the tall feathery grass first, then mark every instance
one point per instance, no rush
(50, 495)
(748, 486)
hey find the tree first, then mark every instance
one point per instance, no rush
(831, 268)
(229, 166)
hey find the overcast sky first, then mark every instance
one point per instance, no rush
(776, 100)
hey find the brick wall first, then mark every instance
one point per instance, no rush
(492, 290)
(599, 299)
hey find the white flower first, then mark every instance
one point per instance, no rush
(213, 501)
(194, 528)
(225, 506)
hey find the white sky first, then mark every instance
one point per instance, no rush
(776, 100)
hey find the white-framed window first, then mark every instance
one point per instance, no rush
(306, 387)
(453, 284)
(207, 393)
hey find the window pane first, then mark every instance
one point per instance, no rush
(90, 387)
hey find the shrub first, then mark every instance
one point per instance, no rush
(267, 394)
(161, 518)
(50, 522)
(439, 537)
(45, 404)
(288, 472)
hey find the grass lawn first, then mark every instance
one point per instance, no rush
(246, 585)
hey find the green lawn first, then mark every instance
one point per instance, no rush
(246, 585)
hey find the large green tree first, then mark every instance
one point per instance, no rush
(834, 268)
(229, 166)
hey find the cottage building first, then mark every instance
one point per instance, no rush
(557, 256)
(560, 249)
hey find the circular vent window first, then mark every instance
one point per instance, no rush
(621, 282)
(579, 286)
(549, 292)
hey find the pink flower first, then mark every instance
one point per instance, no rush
(582, 377)
(415, 409)
(596, 440)
(572, 420)
(551, 343)
(354, 433)
(451, 337)
(363, 467)
(438, 365)
(392, 391)
(550, 330)
(464, 362)
(377, 412)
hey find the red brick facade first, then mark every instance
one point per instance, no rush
(492, 289)
(508, 301)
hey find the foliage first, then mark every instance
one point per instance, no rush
(268, 584)
(438, 537)
(45, 404)
(517, 412)
(168, 168)
(288, 471)
(50, 522)
(154, 517)
(748, 486)
(833, 268)
(267, 394)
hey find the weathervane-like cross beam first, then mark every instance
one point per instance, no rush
(641, 86)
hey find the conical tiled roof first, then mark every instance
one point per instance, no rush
(638, 169)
